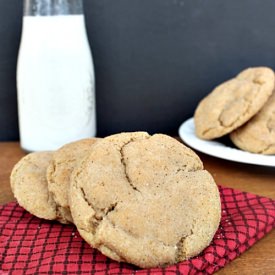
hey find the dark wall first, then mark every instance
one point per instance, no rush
(10, 29)
(154, 59)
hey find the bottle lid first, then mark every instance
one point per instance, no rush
(52, 7)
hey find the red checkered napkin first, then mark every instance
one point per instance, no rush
(29, 245)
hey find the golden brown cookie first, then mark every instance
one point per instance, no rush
(233, 103)
(144, 199)
(258, 134)
(59, 172)
(29, 185)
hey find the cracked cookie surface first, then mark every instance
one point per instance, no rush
(258, 134)
(233, 103)
(144, 199)
(59, 172)
(30, 187)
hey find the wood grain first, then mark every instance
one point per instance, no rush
(10, 154)
(260, 259)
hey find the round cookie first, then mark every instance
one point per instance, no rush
(233, 103)
(144, 199)
(29, 185)
(59, 172)
(258, 134)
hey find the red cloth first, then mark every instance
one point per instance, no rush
(29, 245)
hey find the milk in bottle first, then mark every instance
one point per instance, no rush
(55, 76)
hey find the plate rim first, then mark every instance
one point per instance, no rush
(209, 144)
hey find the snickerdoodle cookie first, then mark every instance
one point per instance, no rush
(59, 172)
(233, 103)
(30, 187)
(258, 134)
(144, 199)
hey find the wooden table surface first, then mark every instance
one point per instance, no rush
(260, 259)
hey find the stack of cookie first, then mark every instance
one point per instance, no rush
(244, 108)
(137, 198)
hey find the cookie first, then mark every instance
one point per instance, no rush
(233, 103)
(30, 187)
(258, 134)
(59, 172)
(144, 200)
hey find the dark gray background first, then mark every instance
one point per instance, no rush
(154, 59)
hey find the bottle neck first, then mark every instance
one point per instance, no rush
(52, 7)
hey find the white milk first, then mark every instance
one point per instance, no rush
(55, 82)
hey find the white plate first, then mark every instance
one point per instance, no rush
(220, 150)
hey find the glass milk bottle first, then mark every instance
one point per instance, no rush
(55, 76)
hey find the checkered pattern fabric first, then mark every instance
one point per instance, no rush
(29, 245)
